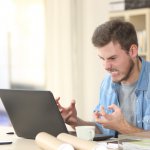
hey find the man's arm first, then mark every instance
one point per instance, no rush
(69, 115)
(115, 121)
(81, 122)
(126, 128)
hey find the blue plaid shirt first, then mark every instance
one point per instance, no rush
(108, 95)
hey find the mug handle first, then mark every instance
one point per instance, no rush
(92, 133)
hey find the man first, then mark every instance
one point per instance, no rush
(124, 100)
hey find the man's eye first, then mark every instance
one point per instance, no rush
(113, 58)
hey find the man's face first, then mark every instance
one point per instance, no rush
(117, 62)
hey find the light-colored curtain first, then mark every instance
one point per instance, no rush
(27, 44)
(73, 70)
(50, 47)
(63, 49)
(5, 11)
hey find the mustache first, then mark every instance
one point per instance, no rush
(111, 69)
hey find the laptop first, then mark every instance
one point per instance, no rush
(31, 112)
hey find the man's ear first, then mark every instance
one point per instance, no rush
(133, 52)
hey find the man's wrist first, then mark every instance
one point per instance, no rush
(127, 128)
(75, 123)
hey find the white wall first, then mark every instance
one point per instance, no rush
(95, 13)
(4, 44)
(73, 68)
(59, 76)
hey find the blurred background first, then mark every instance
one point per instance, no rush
(46, 45)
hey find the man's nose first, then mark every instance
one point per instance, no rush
(107, 65)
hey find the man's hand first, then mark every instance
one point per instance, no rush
(69, 114)
(110, 121)
(115, 121)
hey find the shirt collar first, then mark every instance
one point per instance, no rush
(144, 77)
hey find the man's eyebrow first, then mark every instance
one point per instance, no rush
(114, 56)
(100, 57)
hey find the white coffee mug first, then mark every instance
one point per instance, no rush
(85, 132)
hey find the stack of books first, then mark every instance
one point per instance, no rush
(116, 5)
(120, 5)
(135, 4)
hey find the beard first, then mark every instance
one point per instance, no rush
(127, 74)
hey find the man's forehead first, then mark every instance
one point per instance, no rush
(110, 50)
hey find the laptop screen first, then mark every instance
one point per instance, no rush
(32, 112)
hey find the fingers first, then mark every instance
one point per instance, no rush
(103, 114)
(102, 110)
(61, 108)
(113, 107)
(96, 114)
(58, 104)
(109, 118)
(73, 101)
(97, 117)
(57, 99)
(72, 105)
(67, 117)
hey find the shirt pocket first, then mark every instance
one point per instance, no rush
(146, 122)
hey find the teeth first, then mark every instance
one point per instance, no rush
(114, 72)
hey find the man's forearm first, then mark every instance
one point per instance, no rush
(81, 122)
(127, 128)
